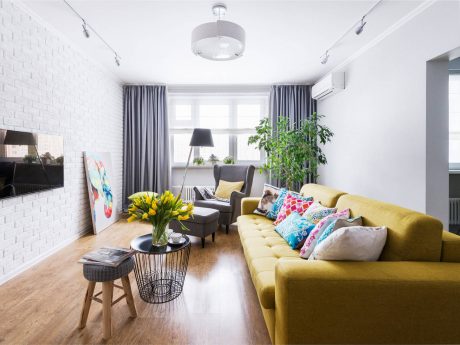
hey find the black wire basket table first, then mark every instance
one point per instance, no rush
(160, 271)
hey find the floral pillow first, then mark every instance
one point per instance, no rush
(316, 212)
(276, 207)
(294, 229)
(320, 227)
(293, 203)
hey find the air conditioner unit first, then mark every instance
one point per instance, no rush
(329, 85)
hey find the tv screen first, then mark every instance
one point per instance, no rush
(30, 162)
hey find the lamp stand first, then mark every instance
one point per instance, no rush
(185, 173)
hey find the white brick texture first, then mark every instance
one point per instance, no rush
(47, 86)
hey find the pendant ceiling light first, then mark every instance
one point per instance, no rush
(221, 40)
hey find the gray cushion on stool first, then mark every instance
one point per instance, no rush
(201, 224)
(96, 273)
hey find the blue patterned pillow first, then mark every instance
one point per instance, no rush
(294, 229)
(338, 224)
(273, 213)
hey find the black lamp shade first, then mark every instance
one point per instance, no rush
(202, 137)
(19, 138)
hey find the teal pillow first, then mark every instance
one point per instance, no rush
(294, 229)
(273, 213)
(140, 194)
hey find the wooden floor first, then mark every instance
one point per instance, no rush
(218, 305)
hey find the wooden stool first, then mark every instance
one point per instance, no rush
(107, 275)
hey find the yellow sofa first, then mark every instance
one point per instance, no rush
(412, 295)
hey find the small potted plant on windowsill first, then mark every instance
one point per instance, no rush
(198, 161)
(229, 160)
(213, 159)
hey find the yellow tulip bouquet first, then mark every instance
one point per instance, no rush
(159, 210)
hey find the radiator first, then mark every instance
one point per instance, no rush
(454, 211)
(188, 194)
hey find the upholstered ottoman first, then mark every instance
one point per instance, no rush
(204, 222)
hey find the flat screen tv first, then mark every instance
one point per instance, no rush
(30, 162)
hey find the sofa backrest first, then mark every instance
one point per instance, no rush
(412, 236)
(325, 195)
(450, 247)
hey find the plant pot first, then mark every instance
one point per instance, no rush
(159, 236)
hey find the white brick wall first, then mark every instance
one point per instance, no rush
(47, 86)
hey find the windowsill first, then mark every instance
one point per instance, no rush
(454, 172)
(182, 166)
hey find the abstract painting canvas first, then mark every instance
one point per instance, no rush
(98, 166)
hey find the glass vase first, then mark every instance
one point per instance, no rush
(159, 235)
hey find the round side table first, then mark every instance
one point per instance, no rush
(160, 271)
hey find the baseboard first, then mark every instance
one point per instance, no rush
(38, 259)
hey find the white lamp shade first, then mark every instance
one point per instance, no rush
(220, 41)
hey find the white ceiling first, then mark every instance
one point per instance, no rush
(284, 39)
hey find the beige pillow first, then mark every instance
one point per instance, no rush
(225, 188)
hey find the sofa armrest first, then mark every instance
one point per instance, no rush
(319, 302)
(197, 194)
(248, 205)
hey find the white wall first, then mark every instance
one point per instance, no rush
(47, 86)
(379, 120)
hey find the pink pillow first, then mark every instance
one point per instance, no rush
(293, 203)
(315, 234)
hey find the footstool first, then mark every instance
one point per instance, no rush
(106, 275)
(204, 222)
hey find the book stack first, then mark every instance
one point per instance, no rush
(107, 256)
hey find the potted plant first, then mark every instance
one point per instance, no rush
(229, 160)
(29, 159)
(47, 158)
(293, 150)
(159, 210)
(198, 161)
(213, 159)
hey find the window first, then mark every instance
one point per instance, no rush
(231, 117)
(454, 121)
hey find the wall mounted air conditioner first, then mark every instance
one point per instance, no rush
(330, 84)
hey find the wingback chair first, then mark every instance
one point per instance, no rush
(229, 211)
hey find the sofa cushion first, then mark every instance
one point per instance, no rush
(411, 236)
(263, 247)
(450, 247)
(326, 196)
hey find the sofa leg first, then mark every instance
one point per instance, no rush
(227, 227)
(202, 242)
(213, 236)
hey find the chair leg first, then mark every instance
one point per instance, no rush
(87, 304)
(227, 227)
(213, 236)
(107, 295)
(202, 242)
(129, 295)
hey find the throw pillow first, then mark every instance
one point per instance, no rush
(225, 188)
(356, 243)
(316, 212)
(293, 203)
(294, 229)
(269, 196)
(320, 227)
(141, 194)
(273, 213)
(338, 224)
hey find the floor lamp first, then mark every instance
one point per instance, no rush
(201, 137)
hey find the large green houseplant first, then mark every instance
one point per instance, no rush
(293, 150)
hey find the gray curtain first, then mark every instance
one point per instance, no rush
(294, 102)
(145, 140)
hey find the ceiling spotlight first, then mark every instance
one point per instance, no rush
(85, 29)
(117, 59)
(325, 57)
(360, 27)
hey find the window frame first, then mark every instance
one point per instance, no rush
(453, 166)
(234, 99)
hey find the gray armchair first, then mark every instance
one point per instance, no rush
(229, 211)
